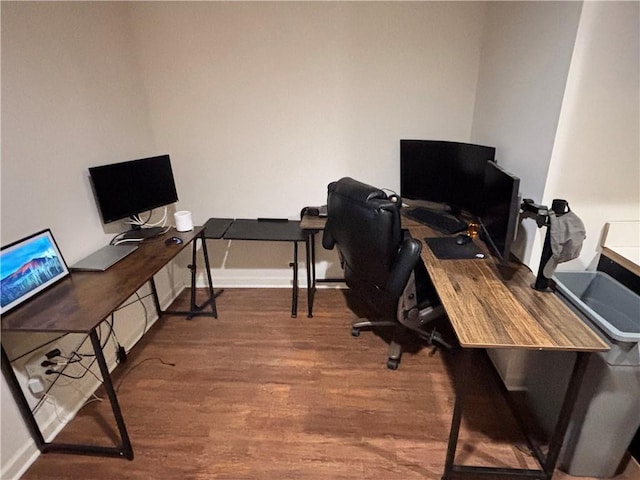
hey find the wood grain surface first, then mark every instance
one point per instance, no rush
(82, 301)
(491, 307)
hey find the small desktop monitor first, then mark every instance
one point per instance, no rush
(500, 211)
(126, 189)
(451, 173)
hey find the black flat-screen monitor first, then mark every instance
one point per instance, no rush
(444, 172)
(126, 189)
(501, 207)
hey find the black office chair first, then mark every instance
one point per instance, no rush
(381, 264)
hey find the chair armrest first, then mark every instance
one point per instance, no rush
(408, 256)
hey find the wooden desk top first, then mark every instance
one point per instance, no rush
(79, 303)
(491, 306)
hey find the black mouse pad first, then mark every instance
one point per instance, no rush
(446, 248)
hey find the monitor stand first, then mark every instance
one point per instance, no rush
(143, 233)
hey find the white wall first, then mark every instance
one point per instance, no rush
(72, 97)
(526, 53)
(268, 102)
(596, 157)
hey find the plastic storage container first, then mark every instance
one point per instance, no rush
(607, 413)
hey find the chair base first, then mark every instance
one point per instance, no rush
(395, 348)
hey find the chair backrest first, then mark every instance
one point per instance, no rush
(365, 225)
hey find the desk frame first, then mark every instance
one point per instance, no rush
(547, 462)
(124, 449)
(268, 230)
(512, 316)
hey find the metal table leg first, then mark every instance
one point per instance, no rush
(309, 241)
(294, 265)
(194, 309)
(124, 450)
(548, 462)
(461, 384)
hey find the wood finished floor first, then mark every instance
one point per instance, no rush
(256, 394)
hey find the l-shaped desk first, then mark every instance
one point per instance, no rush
(486, 309)
(494, 307)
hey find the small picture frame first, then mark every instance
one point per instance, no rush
(28, 267)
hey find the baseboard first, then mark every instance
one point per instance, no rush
(280, 278)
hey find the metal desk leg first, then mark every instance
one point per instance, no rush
(308, 261)
(23, 405)
(194, 308)
(207, 266)
(311, 271)
(548, 462)
(461, 386)
(123, 451)
(294, 264)
(564, 418)
(127, 450)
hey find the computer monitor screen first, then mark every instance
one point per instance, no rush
(128, 188)
(501, 206)
(445, 172)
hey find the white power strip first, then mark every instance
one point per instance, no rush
(39, 381)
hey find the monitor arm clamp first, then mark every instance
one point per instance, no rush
(541, 215)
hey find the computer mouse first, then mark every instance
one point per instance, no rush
(462, 239)
(173, 241)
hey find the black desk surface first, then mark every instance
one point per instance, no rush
(257, 229)
(216, 227)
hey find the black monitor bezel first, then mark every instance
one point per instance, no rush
(500, 243)
(106, 189)
(457, 187)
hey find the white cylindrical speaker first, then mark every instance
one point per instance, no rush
(184, 222)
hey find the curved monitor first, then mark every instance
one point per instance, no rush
(128, 188)
(445, 172)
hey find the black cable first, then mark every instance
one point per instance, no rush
(38, 348)
(62, 374)
(102, 345)
(124, 375)
(113, 332)
(140, 297)
(146, 313)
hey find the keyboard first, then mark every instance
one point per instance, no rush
(439, 221)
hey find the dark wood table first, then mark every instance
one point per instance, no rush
(80, 303)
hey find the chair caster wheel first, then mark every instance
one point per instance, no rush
(392, 363)
(355, 332)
